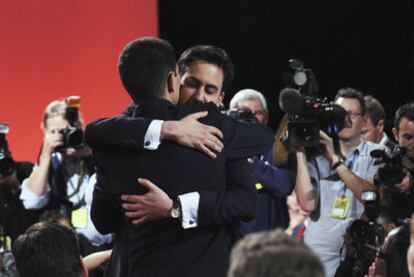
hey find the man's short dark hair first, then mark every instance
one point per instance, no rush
(406, 110)
(374, 110)
(273, 253)
(48, 249)
(210, 54)
(354, 94)
(396, 252)
(144, 65)
(53, 216)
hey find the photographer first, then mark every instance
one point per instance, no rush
(273, 183)
(60, 180)
(14, 218)
(330, 184)
(400, 195)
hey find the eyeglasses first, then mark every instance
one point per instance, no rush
(353, 115)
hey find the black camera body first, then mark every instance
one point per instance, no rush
(242, 115)
(307, 113)
(7, 164)
(368, 231)
(392, 173)
(73, 136)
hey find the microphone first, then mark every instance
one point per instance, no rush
(291, 101)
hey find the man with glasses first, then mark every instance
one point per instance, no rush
(330, 184)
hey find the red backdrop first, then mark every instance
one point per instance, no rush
(52, 49)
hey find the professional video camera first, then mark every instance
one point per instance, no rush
(307, 113)
(73, 133)
(392, 173)
(7, 164)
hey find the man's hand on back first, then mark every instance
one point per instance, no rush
(153, 205)
(191, 133)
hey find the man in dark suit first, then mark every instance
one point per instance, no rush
(161, 248)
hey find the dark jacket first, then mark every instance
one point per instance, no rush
(14, 218)
(164, 248)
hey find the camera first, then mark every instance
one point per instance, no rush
(73, 133)
(243, 115)
(7, 164)
(307, 113)
(368, 231)
(365, 239)
(392, 173)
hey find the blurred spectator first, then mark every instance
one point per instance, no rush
(48, 249)
(392, 257)
(273, 183)
(273, 253)
(93, 262)
(410, 253)
(298, 217)
(14, 218)
(373, 129)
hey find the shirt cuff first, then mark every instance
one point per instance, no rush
(31, 200)
(152, 136)
(189, 209)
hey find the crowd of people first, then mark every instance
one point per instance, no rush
(178, 186)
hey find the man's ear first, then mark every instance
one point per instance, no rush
(221, 98)
(395, 133)
(381, 125)
(170, 81)
(365, 120)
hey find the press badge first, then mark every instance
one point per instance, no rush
(340, 207)
(80, 218)
(6, 243)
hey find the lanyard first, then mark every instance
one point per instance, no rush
(350, 167)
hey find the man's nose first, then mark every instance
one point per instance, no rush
(200, 95)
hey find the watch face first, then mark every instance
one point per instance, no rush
(175, 213)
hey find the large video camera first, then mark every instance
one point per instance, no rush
(392, 173)
(7, 164)
(307, 113)
(73, 133)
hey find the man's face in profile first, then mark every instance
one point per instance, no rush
(370, 132)
(405, 135)
(202, 82)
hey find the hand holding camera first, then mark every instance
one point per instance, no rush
(52, 139)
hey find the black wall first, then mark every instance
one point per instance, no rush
(367, 45)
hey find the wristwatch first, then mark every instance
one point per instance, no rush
(337, 164)
(176, 209)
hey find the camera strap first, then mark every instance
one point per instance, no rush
(80, 181)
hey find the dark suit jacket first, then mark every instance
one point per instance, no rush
(163, 248)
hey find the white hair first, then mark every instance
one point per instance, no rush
(248, 94)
